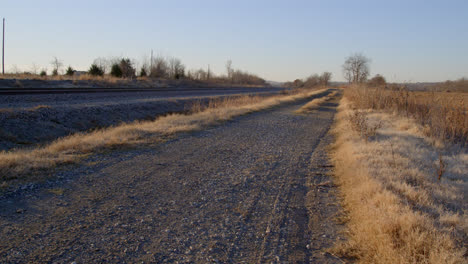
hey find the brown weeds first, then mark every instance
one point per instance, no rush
(397, 211)
(444, 116)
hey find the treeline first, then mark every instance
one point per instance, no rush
(159, 67)
(234, 77)
(313, 80)
(460, 85)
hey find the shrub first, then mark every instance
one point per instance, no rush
(377, 80)
(43, 73)
(54, 72)
(70, 71)
(126, 68)
(95, 70)
(143, 72)
(116, 71)
(160, 68)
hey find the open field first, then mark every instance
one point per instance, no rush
(443, 116)
(405, 197)
(454, 97)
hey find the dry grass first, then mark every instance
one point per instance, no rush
(444, 116)
(18, 163)
(398, 211)
(87, 77)
(315, 103)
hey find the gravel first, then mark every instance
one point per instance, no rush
(253, 190)
(28, 120)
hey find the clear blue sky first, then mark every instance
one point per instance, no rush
(410, 40)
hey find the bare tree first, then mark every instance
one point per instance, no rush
(56, 65)
(176, 68)
(325, 78)
(356, 68)
(34, 68)
(145, 64)
(160, 68)
(229, 69)
(103, 64)
(15, 69)
(312, 80)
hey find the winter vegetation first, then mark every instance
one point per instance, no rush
(314, 80)
(159, 67)
(404, 197)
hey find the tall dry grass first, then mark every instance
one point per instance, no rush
(18, 163)
(443, 116)
(398, 211)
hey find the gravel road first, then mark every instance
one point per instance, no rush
(253, 190)
(29, 120)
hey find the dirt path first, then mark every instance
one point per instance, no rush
(254, 190)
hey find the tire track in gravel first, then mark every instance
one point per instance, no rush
(247, 191)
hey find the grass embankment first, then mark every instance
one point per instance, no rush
(403, 194)
(315, 103)
(19, 163)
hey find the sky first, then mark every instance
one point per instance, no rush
(407, 41)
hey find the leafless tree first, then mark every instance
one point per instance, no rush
(176, 68)
(229, 69)
(356, 68)
(160, 68)
(15, 69)
(325, 78)
(312, 80)
(145, 64)
(103, 63)
(34, 68)
(56, 65)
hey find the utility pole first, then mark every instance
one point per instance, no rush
(3, 48)
(151, 61)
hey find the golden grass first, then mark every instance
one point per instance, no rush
(315, 103)
(444, 116)
(398, 211)
(18, 163)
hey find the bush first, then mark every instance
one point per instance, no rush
(43, 73)
(377, 80)
(54, 72)
(143, 72)
(116, 71)
(127, 69)
(95, 70)
(70, 71)
(160, 68)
